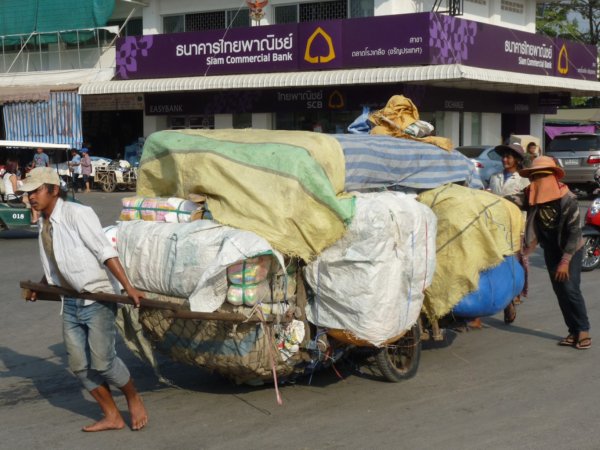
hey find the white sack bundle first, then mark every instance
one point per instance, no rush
(371, 281)
(187, 260)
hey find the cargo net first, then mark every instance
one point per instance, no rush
(243, 352)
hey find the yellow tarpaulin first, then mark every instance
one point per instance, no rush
(476, 230)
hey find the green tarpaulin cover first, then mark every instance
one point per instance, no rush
(26, 16)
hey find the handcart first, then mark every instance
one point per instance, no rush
(249, 345)
(118, 175)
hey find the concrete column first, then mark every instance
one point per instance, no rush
(262, 121)
(223, 121)
(151, 18)
(491, 128)
(536, 127)
(451, 128)
(154, 123)
(467, 131)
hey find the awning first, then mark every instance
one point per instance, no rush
(449, 76)
(32, 93)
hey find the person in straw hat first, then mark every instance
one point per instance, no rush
(88, 326)
(553, 222)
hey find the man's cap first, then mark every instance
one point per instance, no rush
(39, 176)
(84, 150)
(515, 149)
(543, 165)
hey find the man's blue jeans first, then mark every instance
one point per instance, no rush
(89, 333)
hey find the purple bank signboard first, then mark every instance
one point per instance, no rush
(385, 41)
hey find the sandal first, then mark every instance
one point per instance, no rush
(569, 341)
(584, 344)
(510, 313)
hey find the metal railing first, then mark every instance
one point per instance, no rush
(57, 50)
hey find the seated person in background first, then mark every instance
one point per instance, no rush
(11, 185)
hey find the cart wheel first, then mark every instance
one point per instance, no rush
(400, 360)
(110, 184)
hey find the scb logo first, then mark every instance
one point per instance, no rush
(319, 48)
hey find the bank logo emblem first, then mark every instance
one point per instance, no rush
(563, 61)
(336, 100)
(311, 56)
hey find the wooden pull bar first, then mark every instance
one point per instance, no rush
(174, 310)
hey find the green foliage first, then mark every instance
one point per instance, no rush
(577, 20)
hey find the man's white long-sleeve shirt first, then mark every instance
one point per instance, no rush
(80, 249)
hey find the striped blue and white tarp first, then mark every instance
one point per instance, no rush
(381, 161)
(57, 121)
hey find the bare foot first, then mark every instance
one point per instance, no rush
(105, 424)
(139, 416)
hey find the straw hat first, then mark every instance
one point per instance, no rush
(515, 149)
(543, 164)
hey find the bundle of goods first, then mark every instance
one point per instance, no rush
(286, 186)
(371, 282)
(476, 231)
(497, 287)
(199, 265)
(245, 352)
(157, 209)
(400, 118)
(248, 283)
(187, 260)
(375, 162)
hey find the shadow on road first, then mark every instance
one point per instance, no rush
(500, 325)
(40, 377)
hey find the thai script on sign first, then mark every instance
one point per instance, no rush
(524, 48)
(268, 43)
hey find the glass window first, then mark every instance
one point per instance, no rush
(242, 120)
(174, 24)
(213, 20)
(286, 14)
(238, 18)
(336, 9)
(176, 123)
(206, 122)
(133, 28)
(362, 8)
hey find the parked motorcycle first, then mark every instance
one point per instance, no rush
(591, 234)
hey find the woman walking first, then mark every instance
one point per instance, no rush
(553, 222)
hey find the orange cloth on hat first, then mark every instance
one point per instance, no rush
(546, 189)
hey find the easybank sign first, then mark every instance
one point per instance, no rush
(399, 40)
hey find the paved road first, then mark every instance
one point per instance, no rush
(502, 387)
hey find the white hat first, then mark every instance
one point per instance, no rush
(39, 176)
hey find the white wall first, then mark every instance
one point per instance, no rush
(488, 13)
(536, 127)
(491, 128)
(451, 128)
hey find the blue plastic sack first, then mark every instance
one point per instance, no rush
(361, 124)
(497, 287)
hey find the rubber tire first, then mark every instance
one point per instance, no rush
(409, 345)
(589, 241)
(110, 184)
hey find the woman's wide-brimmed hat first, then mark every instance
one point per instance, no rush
(515, 149)
(543, 164)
